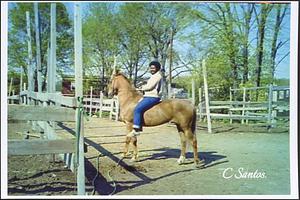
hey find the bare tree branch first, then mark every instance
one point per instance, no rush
(282, 59)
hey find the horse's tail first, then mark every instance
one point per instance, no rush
(194, 120)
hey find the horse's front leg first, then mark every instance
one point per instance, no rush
(129, 128)
(135, 149)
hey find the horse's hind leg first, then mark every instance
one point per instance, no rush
(181, 159)
(193, 140)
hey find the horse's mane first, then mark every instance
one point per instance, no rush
(118, 73)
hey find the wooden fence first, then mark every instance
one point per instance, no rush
(275, 108)
(44, 110)
(94, 104)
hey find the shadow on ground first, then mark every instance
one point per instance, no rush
(105, 187)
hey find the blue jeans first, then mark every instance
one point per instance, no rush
(141, 107)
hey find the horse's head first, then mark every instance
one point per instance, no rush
(112, 86)
(115, 83)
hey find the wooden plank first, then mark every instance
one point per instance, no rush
(275, 88)
(25, 92)
(282, 108)
(250, 88)
(256, 114)
(237, 103)
(227, 116)
(55, 97)
(248, 108)
(31, 94)
(66, 101)
(107, 101)
(40, 113)
(219, 107)
(13, 97)
(281, 103)
(40, 146)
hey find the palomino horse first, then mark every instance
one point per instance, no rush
(180, 112)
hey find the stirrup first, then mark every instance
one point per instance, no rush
(133, 133)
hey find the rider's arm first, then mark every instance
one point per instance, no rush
(152, 82)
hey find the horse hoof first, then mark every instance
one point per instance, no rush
(200, 164)
(126, 155)
(133, 159)
(181, 160)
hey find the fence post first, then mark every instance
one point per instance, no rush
(193, 92)
(52, 71)
(169, 91)
(270, 105)
(13, 94)
(30, 68)
(230, 99)
(10, 86)
(48, 67)
(101, 104)
(244, 102)
(78, 93)
(275, 99)
(24, 97)
(91, 100)
(200, 104)
(206, 96)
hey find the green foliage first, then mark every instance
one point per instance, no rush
(139, 32)
(17, 34)
(101, 38)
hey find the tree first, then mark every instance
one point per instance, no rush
(218, 30)
(261, 23)
(17, 34)
(134, 42)
(280, 14)
(162, 24)
(245, 32)
(101, 39)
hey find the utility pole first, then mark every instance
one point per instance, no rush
(170, 64)
(29, 66)
(38, 48)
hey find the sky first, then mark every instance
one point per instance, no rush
(282, 71)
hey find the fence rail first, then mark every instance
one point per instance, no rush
(268, 111)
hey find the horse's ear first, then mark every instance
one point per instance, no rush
(117, 71)
(113, 72)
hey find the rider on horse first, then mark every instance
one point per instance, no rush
(150, 98)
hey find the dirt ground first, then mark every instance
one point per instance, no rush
(239, 160)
